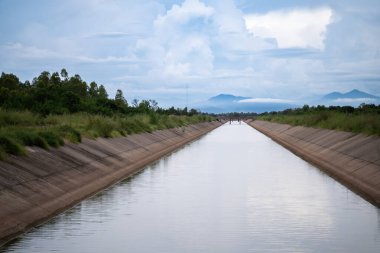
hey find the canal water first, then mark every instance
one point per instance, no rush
(234, 190)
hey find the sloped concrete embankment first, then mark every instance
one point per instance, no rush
(44, 183)
(353, 159)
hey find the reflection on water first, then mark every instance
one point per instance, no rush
(234, 190)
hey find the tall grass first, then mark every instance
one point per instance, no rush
(18, 118)
(22, 128)
(365, 123)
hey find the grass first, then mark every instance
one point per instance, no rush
(23, 128)
(365, 123)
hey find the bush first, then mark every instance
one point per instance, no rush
(53, 139)
(23, 128)
(101, 126)
(30, 138)
(70, 133)
(11, 146)
(364, 119)
(3, 154)
(18, 118)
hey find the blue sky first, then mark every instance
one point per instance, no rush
(292, 50)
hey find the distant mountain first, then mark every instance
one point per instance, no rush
(354, 94)
(333, 95)
(352, 98)
(224, 103)
(226, 98)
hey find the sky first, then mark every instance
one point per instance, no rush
(180, 52)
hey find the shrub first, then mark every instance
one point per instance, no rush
(11, 146)
(2, 153)
(18, 118)
(102, 126)
(70, 133)
(53, 139)
(30, 138)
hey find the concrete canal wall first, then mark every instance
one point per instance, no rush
(353, 159)
(36, 187)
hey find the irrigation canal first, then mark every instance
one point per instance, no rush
(234, 190)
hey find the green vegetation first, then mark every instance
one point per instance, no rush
(57, 108)
(364, 119)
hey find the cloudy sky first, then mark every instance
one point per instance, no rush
(163, 50)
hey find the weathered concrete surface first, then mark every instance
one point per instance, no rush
(353, 159)
(44, 183)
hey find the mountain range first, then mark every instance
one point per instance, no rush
(224, 103)
(354, 94)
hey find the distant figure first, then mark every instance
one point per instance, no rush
(230, 121)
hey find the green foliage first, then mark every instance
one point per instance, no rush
(11, 146)
(18, 118)
(56, 107)
(70, 133)
(52, 138)
(101, 126)
(50, 131)
(364, 119)
(30, 138)
(3, 154)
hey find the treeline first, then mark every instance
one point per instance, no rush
(362, 119)
(59, 93)
(306, 109)
(55, 108)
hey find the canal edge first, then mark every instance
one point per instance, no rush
(356, 173)
(145, 148)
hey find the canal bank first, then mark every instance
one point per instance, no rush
(38, 186)
(353, 159)
(233, 190)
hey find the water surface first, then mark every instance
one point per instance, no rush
(234, 190)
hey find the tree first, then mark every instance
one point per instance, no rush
(71, 101)
(135, 102)
(119, 96)
(153, 104)
(64, 74)
(76, 85)
(55, 79)
(193, 112)
(9, 81)
(42, 81)
(102, 92)
(93, 90)
(119, 99)
(144, 106)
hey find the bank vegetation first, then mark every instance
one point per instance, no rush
(55, 108)
(363, 119)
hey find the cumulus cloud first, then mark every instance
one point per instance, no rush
(194, 41)
(179, 46)
(273, 50)
(183, 13)
(292, 28)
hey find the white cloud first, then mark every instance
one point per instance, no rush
(34, 53)
(292, 28)
(30, 52)
(179, 46)
(182, 14)
(265, 100)
(210, 45)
